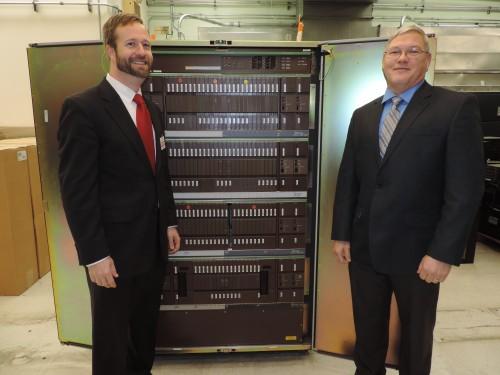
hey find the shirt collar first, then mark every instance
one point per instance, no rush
(125, 92)
(405, 96)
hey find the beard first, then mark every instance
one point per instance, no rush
(125, 65)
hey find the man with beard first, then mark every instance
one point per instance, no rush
(115, 189)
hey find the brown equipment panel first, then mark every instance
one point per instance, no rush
(243, 281)
(229, 166)
(204, 242)
(238, 184)
(294, 103)
(218, 102)
(233, 184)
(233, 121)
(294, 121)
(200, 63)
(295, 84)
(226, 85)
(242, 226)
(234, 281)
(222, 103)
(237, 325)
(203, 167)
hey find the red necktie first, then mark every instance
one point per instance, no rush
(145, 128)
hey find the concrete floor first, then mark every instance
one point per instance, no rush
(467, 335)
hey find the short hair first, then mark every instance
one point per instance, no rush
(411, 29)
(121, 19)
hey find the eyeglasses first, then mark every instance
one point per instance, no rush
(412, 52)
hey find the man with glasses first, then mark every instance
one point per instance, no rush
(408, 189)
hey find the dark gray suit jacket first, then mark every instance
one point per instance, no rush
(114, 203)
(423, 196)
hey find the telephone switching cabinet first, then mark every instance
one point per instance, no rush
(242, 138)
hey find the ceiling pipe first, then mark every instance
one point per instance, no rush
(219, 3)
(435, 7)
(441, 22)
(180, 34)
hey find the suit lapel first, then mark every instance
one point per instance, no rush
(374, 112)
(116, 109)
(417, 104)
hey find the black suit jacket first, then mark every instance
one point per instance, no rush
(114, 203)
(423, 196)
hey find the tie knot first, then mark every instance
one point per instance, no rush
(396, 100)
(138, 99)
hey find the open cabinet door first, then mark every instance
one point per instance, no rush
(57, 71)
(352, 76)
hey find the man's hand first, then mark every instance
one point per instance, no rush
(342, 250)
(432, 270)
(174, 240)
(103, 273)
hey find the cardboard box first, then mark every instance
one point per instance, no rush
(42, 245)
(18, 142)
(7, 132)
(131, 6)
(18, 259)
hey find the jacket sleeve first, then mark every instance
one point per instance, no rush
(168, 211)
(464, 183)
(347, 190)
(79, 185)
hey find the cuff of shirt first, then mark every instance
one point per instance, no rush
(99, 261)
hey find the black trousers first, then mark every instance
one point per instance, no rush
(417, 304)
(124, 323)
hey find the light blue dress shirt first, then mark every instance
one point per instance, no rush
(387, 102)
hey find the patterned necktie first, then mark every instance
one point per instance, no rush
(145, 128)
(389, 125)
